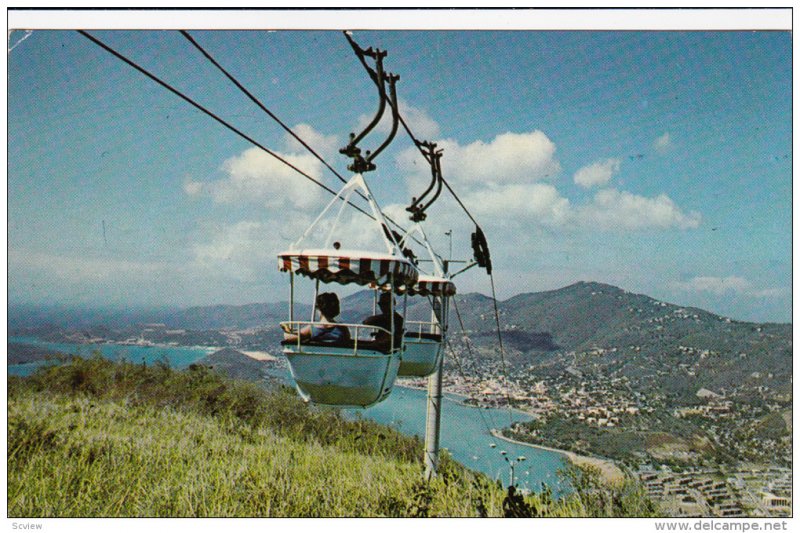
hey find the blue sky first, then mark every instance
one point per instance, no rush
(656, 161)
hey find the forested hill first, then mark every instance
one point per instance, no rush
(587, 315)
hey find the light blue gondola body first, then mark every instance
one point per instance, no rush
(338, 376)
(420, 357)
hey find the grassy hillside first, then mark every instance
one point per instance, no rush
(104, 439)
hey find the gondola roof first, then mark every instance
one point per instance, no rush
(350, 266)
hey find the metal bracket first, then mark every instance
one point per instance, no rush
(433, 157)
(364, 163)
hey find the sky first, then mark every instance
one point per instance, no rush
(659, 162)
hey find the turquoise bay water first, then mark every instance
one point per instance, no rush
(465, 434)
(465, 430)
(177, 356)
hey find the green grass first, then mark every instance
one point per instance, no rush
(93, 438)
(74, 457)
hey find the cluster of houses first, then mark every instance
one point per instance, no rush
(696, 493)
(691, 495)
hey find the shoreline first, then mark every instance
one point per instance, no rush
(259, 355)
(609, 471)
(456, 396)
(32, 340)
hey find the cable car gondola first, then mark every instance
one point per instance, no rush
(359, 371)
(423, 341)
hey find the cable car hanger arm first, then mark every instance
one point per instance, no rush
(392, 80)
(351, 150)
(278, 120)
(417, 207)
(479, 243)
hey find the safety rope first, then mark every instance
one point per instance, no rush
(467, 343)
(460, 367)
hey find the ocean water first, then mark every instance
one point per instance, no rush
(177, 356)
(466, 434)
(465, 431)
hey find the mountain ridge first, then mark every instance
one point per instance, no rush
(253, 314)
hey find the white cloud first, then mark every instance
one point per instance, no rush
(418, 120)
(256, 177)
(500, 180)
(192, 188)
(538, 201)
(725, 285)
(768, 293)
(508, 158)
(610, 210)
(243, 250)
(620, 210)
(325, 145)
(598, 173)
(663, 143)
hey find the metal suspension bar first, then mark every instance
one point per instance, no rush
(291, 296)
(438, 164)
(433, 418)
(360, 164)
(428, 151)
(392, 79)
(354, 139)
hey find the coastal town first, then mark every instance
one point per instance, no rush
(724, 452)
(721, 454)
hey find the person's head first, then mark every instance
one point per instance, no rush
(328, 305)
(385, 301)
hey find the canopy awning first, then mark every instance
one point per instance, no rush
(350, 266)
(432, 286)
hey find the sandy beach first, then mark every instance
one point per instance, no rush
(611, 472)
(259, 356)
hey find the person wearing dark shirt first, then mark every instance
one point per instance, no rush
(384, 320)
(326, 329)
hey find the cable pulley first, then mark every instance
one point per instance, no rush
(480, 250)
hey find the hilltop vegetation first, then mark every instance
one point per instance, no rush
(595, 328)
(98, 438)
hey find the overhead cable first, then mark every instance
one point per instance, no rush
(276, 119)
(417, 143)
(214, 116)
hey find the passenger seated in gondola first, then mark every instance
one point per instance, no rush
(326, 329)
(383, 320)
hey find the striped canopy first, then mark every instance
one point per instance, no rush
(432, 286)
(350, 266)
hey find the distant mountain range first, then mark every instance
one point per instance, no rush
(622, 332)
(594, 327)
